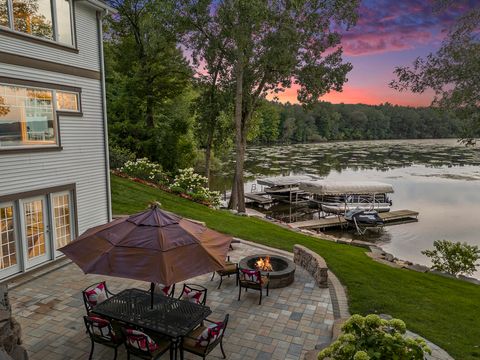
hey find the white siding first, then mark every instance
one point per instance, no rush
(82, 160)
(87, 43)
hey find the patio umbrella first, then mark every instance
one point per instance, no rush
(154, 246)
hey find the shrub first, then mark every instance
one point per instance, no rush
(371, 337)
(145, 170)
(453, 258)
(119, 156)
(196, 186)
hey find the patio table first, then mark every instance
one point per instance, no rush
(169, 316)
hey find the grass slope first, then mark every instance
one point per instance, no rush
(443, 310)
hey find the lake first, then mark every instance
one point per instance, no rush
(438, 178)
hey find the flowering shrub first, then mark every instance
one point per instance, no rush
(119, 156)
(370, 337)
(145, 170)
(196, 186)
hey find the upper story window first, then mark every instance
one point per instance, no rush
(27, 115)
(47, 19)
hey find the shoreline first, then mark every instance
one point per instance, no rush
(376, 252)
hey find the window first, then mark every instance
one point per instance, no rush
(33, 17)
(62, 219)
(67, 101)
(27, 115)
(8, 247)
(47, 19)
(4, 13)
(34, 228)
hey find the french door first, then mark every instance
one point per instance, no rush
(63, 220)
(10, 258)
(35, 230)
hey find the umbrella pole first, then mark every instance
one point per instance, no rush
(152, 289)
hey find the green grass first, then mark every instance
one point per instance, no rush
(443, 310)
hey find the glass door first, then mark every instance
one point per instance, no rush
(35, 230)
(62, 215)
(9, 257)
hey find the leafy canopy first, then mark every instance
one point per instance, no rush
(454, 258)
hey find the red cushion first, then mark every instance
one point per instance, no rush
(192, 295)
(165, 289)
(97, 295)
(251, 275)
(210, 334)
(101, 327)
(140, 340)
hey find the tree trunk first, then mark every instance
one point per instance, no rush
(237, 199)
(208, 155)
(149, 112)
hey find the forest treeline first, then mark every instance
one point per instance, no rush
(325, 121)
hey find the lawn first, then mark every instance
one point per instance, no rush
(443, 310)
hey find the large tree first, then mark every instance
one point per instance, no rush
(148, 83)
(267, 46)
(453, 72)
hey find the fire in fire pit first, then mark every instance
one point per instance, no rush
(264, 264)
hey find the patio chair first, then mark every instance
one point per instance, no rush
(253, 279)
(101, 331)
(167, 290)
(144, 346)
(95, 294)
(230, 268)
(204, 339)
(194, 293)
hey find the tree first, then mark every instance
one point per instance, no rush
(453, 72)
(268, 46)
(148, 83)
(454, 258)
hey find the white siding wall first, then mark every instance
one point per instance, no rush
(87, 39)
(82, 160)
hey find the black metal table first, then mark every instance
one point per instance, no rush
(169, 316)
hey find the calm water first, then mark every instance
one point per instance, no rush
(438, 178)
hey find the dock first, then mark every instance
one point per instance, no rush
(260, 198)
(390, 218)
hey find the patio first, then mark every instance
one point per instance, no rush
(289, 322)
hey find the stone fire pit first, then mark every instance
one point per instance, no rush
(283, 272)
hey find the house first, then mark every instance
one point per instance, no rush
(54, 174)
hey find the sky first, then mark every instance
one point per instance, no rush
(389, 33)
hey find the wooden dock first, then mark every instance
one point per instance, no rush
(259, 198)
(390, 218)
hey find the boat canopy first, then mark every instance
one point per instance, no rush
(293, 180)
(346, 187)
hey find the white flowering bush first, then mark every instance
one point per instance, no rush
(370, 337)
(144, 169)
(196, 186)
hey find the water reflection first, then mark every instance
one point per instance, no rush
(438, 178)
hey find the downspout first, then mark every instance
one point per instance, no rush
(104, 110)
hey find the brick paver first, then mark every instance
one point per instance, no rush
(289, 322)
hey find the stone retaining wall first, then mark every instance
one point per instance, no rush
(313, 263)
(10, 333)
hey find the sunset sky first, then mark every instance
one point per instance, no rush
(389, 34)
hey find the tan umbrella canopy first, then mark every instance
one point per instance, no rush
(154, 246)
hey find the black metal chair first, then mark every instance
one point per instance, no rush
(167, 290)
(194, 293)
(101, 331)
(146, 346)
(230, 268)
(94, 293)
(253, 279)
(204, 339)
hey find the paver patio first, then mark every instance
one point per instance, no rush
(289, 322)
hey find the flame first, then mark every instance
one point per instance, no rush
(264, 264)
